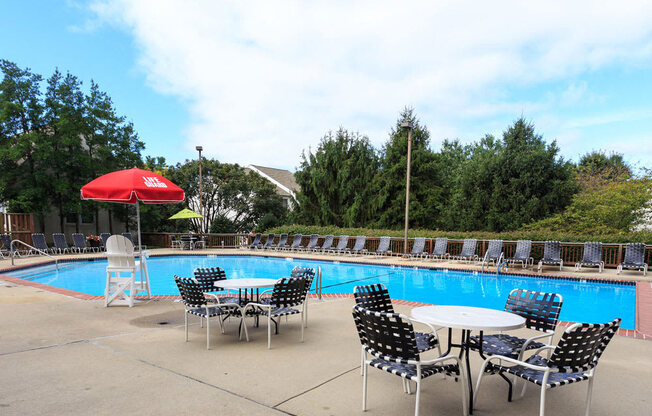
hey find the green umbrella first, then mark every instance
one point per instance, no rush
(184, 214)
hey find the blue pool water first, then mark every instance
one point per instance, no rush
(583, 301)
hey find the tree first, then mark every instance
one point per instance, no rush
(508, 183)
(54, 143)
(596, 169)
(335, 181)
(228, 191)
(425, 184)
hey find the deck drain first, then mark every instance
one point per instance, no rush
(163, 323)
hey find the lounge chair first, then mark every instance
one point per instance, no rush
(358, 247)
(175, 242)
(376, 298)
(441, 249)
(38, 241)
(269, 243)
(342, 242)
(390, 339)
(592, 256)
(129, 237)
(326, 245)
(540, 310)
(314, 238)
(634, 258)
(103, 238)
(286, 295)
(494, 253)
(195, 303)
(418, 248)
(468, 250)
(256, 242)
(10, 248)
(383, 247)
(573, 360)
(60, 243)
(79, 242)
(551, 254)
(282, 242)
(296, 242)
(522, 254)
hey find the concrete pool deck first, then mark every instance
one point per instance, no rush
(60, 355)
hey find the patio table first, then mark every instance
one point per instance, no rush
(246, 284)
(467, 318)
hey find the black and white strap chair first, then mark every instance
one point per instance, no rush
(522, 254)
(494, 253)
(195, 303)
(309, 275)
(551, 254)
(591, 256)
(634, 258)
(376, 298)
(441, 249)
(286, 295)
(390, 338)
(540, 310)
(573, 360)
(207, 277)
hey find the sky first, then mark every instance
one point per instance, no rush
(259, 82)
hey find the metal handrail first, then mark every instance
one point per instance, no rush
(56, 262)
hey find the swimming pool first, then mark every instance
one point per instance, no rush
(583, 301)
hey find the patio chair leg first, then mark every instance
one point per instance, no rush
(364, 386)
(404, 386)
(588, 396)
(364, 357)
(416, 407)
(208, 333)
(269, 331)
(409, 386)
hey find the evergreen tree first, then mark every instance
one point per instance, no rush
(425, 185)
(335, 181)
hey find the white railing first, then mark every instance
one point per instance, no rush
(13, 252)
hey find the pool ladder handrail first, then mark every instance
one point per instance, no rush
(11, 249)
(501, 266)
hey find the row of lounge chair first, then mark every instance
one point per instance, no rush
(60, 244)
(591, 256)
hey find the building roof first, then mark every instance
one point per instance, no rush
(282, 178)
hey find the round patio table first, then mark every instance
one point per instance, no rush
(467, 318)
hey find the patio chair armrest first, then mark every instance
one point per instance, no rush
(531, 340)
(432, 328)
(264, 292)
(260, 305)
(441, 359)
(545, 347)
(516, 362)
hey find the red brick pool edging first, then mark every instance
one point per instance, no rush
(643, 301)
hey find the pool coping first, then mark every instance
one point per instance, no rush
(642, 308)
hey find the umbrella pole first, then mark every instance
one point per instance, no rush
(140, 248)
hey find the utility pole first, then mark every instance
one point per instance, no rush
(407, 125)
(201, 206)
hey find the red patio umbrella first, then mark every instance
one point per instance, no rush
(131, 186)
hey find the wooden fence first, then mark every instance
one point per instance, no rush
(571, 253)
(20, 226)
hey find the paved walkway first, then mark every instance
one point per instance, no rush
(60, 356)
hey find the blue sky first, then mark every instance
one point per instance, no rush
(260, 82)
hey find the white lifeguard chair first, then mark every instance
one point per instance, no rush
(122, 284)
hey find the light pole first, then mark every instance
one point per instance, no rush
(201, 206)
(407, 125)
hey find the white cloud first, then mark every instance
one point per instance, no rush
(265, 80)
